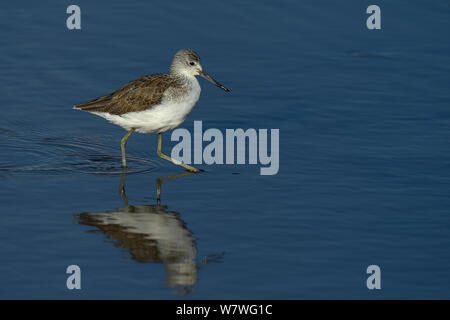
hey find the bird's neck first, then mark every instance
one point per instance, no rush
(183, 77)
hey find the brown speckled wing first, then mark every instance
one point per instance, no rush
(137, 95)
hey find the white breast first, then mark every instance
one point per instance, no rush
(166, 116)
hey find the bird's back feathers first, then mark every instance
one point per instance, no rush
(137, 95)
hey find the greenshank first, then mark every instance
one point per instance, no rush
(155, 103)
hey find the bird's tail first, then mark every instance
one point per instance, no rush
(98, 104)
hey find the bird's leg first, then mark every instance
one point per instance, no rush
(162, 155)
(158, 191)
(123, 142)
(160, 180)
(122, 186)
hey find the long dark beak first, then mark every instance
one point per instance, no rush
(207, 77)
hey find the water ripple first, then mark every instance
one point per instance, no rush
(37, 152)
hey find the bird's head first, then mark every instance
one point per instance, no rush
(187, 63)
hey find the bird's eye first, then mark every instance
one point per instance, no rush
(192, 63)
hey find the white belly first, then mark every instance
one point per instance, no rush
(160, 118)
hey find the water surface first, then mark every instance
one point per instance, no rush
(364, 155)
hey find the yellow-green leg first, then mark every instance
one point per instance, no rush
(122, 186)
(123, 143)
(159, 182)
(162, 155)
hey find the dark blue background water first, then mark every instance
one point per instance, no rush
(364, 173)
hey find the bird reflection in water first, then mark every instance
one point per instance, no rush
(151, 234)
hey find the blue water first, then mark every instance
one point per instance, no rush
(364, 172)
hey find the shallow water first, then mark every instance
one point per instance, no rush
(364, 155)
